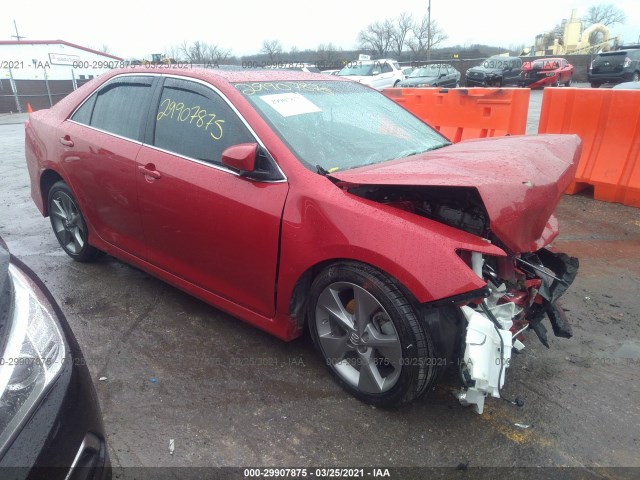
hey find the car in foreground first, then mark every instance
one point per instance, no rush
(432, 75)
(50, 420)
(546, 72)
(496, 71)
(296, 202)
(615, 67)
(379, 74)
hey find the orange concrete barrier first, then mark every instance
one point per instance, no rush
(463, 113)
(608, 121)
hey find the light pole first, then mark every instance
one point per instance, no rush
(429, 31)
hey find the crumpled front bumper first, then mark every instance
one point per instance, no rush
(495, 324)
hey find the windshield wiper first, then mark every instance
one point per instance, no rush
(321, 170)
(410, 153)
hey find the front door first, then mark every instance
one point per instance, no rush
(203, 222)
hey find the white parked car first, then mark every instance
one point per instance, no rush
(379, 74)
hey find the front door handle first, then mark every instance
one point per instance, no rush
(66, 141)
(149, 170)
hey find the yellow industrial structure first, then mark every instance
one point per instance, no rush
(569, 38)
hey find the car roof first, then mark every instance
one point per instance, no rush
(231, 76)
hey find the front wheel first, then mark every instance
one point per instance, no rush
(68, 223)
(370, 335)
(595, 85)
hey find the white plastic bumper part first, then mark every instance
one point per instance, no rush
(486, 358)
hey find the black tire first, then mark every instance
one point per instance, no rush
(68, 223)
(406, 364)
(636, 77)
(395, 85)
(595, 85)
(557, 82)
(568, 83)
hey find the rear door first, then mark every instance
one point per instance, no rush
(99, 144)
(385, 78)
(203, 222)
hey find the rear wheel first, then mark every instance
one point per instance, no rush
(395, 85)
(68, 223)
(594, 85)
(568, 83)
(557, 82)
(370, 335)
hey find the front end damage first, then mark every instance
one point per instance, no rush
(504, 191)
(522, 291)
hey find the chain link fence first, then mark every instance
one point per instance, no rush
(17, 94)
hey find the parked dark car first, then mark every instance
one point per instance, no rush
(615, 67)
(546, 72)
(50, 421)
(434, 75)
(495, 71)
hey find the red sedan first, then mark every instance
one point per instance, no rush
(293, 200)
(546, 72)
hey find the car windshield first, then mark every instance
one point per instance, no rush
(339, 125)
(360, 69)
(494, 63)
(430, 71)
(545, 65)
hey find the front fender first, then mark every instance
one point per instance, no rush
(418, 252)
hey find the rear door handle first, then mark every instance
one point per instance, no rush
(149, 170)
(66, 141)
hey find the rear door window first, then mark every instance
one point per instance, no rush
(194, 121)
(120, 107)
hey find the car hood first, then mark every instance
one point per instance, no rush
(485, 70)
(416, 80)
(359, 78)
(520, 180)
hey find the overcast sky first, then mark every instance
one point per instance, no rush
(138, 28)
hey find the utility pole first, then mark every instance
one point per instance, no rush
(17, 36)
(429, 31)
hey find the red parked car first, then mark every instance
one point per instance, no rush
(546, 72)
(294, 200)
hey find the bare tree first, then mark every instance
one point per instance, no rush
(420, 41)
(606, 14)
(328, 55)
(173, 53)
(199, 52)
(403, 26)
(377, 37)
(272, 48)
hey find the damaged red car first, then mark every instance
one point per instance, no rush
(546, 72)
(297, 201)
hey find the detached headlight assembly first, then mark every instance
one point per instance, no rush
(34, 352)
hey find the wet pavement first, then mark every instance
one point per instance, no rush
(230, 395)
